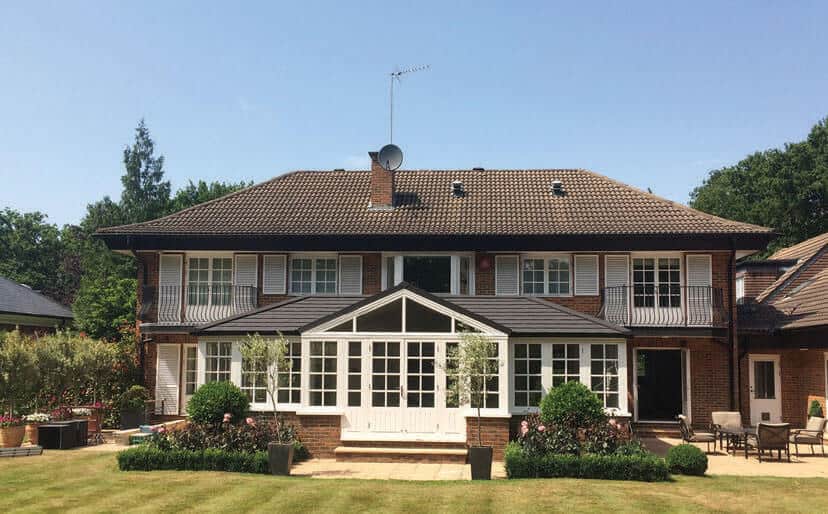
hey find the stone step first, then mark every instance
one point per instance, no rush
(657, 429)
(399, 454)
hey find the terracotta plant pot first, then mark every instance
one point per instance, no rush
(31, 432)
(12, 437)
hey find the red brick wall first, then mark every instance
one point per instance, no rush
(709, 373)
(147, 274)
(803, 379)
(494, 432)
(757, 281)
(382, 184)
(151, 356)
(371, 273)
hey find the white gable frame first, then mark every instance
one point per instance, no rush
(322, 330)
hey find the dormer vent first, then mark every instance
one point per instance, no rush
(457, 190)
(557, 188)
(478, 169)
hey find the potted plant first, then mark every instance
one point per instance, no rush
(471, 363)
(133, 407)
(815, 410)
(12, 430)
(33, 421)
(271, 356)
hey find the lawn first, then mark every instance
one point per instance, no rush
(91, 482)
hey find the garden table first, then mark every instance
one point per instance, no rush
(737, 438)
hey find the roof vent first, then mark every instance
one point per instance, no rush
(457, 190)
(339, 169)
(478, 169)
(557, 188)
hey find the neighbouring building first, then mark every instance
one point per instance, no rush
(372, 275)
(783, 333)
(29, 311)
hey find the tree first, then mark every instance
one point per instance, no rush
(784, 189)
(469, 365)
(18, 370)
(146, 194)
(269, 356)
(194, 194)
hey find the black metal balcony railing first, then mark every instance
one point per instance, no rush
(664, 305)
(197, 303)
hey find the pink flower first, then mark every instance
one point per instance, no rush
(250, 421)
(227, 417)
(541, 428)
(524, 423)
(524, 430)
(162, 429)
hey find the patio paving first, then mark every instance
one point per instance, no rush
(330, 468)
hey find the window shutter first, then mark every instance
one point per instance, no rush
(616, 296)
(699, 294)
(166, 385)
(169, 288)
(246, 270)
(586, 275)
(274, 274)
(350, 274)
(507, 281)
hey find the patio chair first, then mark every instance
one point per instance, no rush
(688, 435)
(811, 435)
(771, 437)
(725, 420)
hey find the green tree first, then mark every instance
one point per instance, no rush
(146, 194)
(194, 194)
(18, 370)
(786, 189)
(269, 356)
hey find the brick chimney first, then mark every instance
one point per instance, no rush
(382, 185)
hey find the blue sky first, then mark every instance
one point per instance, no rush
(649, 94)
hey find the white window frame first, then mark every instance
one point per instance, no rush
(584, 369)
(313, 258)
(209, 257)
(218, 356)
(325, 372)
(656, 257)
(546, 257)
(740, 288)
(455, 269)
(254, 387)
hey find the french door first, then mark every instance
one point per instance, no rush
(189, 375)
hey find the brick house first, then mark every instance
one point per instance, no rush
(783, 332)
(373, 274)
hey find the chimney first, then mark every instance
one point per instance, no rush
(382, 185)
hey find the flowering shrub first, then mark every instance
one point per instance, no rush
(37, 417)
(81, 411)
(248, 437)
(11, 421)
(61, 413)
(213, 401)
(538, 439)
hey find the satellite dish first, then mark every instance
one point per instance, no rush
(390, 157)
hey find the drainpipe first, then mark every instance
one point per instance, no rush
(142, 342)
(731, 332)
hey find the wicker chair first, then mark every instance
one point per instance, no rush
(688, 435)
(771, 437)
(811, 435)
(728, 420)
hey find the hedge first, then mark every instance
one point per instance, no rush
(145, 458)
(649, 468)
(686, 459)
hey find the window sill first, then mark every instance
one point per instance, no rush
(485, 413)
(319, 411)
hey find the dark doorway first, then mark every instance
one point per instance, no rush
(660, 379)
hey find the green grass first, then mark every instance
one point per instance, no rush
(91, 482)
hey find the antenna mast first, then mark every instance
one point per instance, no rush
(395, 75)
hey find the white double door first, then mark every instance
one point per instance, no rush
(403, 385)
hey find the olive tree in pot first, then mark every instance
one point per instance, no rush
(270, 356)
(470, 364)
(133, 407)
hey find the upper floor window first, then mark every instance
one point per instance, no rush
(546, 276)
(209, 280)
(313, 275)
(442, 274)
(657, 282)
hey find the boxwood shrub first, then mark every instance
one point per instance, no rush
(686, 459)
(213, 400)
(147, 458)
(645, 468)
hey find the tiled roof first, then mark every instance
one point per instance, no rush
(807, 253)
(496, 202)
(804, 250)
(517, 315)
(19, 299)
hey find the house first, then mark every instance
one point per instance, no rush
(28, 310)
(373, 275)
(783, 332)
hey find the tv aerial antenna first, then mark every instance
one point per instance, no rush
(396, 75)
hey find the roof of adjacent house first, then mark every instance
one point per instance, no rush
(516, 315)
(495, 202)
(799, 297)
(20, 299)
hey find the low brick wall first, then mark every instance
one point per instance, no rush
(493, 431)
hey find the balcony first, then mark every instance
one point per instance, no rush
(652, 305)
(196, 303)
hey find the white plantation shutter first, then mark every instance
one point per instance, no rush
(169, 288)
(586, 275)
(507, 281)
(616, 294)
(699, 294)
(166, 380)
(246, 272)
(274, 269)
(350, 274)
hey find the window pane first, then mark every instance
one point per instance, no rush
(419, 318)
(301, 275)
(430, 273)
(465, 272)
(387, 318)
(323, 373)
(325, 276)
(533, 276)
